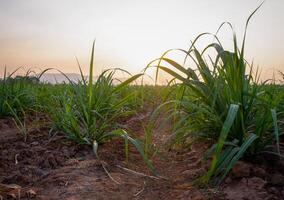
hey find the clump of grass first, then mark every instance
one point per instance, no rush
(18, 96)
(15, 94)
(88, 111)
(223, 100)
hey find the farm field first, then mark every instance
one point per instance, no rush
(50, 166)
(214, 131)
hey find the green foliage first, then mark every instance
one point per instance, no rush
(16, 94)
(85, 120)
(222, 100)
(88, 112)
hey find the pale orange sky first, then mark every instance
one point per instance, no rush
(130, 33)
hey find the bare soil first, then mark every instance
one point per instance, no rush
(52, 167)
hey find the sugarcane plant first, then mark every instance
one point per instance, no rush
(222, 99)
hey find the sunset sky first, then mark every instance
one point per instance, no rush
(130, 33)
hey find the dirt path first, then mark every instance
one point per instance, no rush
(55, 168)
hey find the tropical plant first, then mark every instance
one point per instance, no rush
(88, 112)
(222, 100)
(15, 93)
